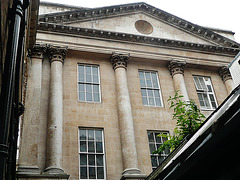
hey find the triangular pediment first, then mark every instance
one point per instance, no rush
(123, 18)
(141, 24)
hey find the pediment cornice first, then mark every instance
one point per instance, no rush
(87, 14)
(132, 38)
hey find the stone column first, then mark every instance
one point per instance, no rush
(226, 78)
(129, 152)
(55, 120)
(28, 158)
(176, 68)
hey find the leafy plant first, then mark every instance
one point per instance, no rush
(188, 118)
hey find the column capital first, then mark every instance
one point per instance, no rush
(224, 73)
(176, 67)
(119, 60)
(37, 51)
(56, 53)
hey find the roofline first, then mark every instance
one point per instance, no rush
(220, 30)
(86, 14)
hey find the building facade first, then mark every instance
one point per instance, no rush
(98, 86)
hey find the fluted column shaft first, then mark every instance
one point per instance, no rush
(129, 152)
(55, 120)
(176, 69)
(226, 78)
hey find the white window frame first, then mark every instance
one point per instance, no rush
(205, 89)
(156, 145)
(85, 83)
(91, 153)
(153, 89)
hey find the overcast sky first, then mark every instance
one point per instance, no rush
(221, 14)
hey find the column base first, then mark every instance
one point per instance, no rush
(53, 170)
(28, 170)
(132, 173)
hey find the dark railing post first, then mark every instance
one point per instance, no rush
(8, 88)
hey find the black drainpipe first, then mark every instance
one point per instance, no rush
(9, 89)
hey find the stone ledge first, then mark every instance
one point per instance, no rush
(42, 175)
(133, 176)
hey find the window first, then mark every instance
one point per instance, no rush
(154, 143)
(88, 83)
(150, 89)
(205, 92)
(91, 154)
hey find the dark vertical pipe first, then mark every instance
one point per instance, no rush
(8, 84)
(13, 135)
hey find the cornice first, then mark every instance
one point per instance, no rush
(81, 15)
(94, 33)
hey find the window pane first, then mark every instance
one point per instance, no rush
(154, 161)
(202, 82)
(83, 146)
(158, 102)
(88, 87)
(152, 147)
(144, 92)
(83, 159)
(82, 134)
(142, 83)
(214, 105)
(100, 173)
(81, 77)
(198, 85)
(151, 101)
(81, 68)
(147, 75)
(88, 69)
(141, 74)
(89, 96)
(99, 160)
(158, 139)
(144, 100)
(92, 173)
(82, 87)
(149, 83)
(81, 96)
(211, 97)
(99, 147)
(209, 88)
(83, 173)
(95, 78)
(150, 93)
(88, 78)
(91, 146)
(91, 160)
(156, 93)
(95, 70)
(96, 97)
(98, 135)
(150, 137)
(96, 88)
(160, 159)
(90, 134)
(206, 101)
(154, 80)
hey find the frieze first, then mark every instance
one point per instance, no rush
(89, 14)
(94, 33)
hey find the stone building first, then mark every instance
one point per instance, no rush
(98, 85)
